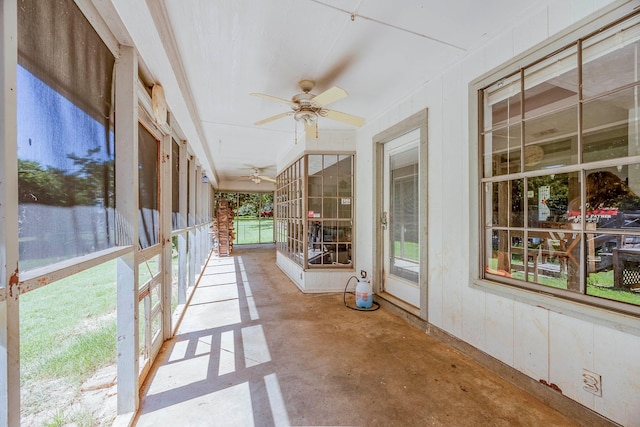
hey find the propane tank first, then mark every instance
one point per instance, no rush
(364, 294)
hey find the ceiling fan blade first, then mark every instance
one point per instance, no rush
(272, 98)
(266, 178)
(344, 117)
(330, 95)
(311, 130)
(272, 118)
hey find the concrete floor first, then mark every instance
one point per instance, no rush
(252, 350)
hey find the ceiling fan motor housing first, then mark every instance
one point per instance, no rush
(304, 108)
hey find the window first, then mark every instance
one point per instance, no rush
(149, 220)
(289, 206)
(560, 155)
(330, 197)
(65, 136)
(175, 185)
(314, 223)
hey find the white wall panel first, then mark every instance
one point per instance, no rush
(473, 301)
(473, 309)
(419, 100)
(473, 66)
(563, 13)
(453, 143)
(363, 207)
(328, 281)
(499, 50)
(291, 269)
(531, 345)
(499, 339)
(570, 351)
(435, 204)
(617, 360)
(531, 32)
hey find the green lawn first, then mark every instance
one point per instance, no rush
(253, 230)
(599, 284)
(64, 326)
(67, 332)
(411, 250)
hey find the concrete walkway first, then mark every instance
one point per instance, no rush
(252, 350)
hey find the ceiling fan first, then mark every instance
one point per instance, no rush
(257, 177)
(307, 107)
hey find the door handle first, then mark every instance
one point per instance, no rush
(383, 221)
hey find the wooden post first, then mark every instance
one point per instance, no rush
(9, 314)
(191, 216)
(165, 233)
(127, 189)
(182, 225)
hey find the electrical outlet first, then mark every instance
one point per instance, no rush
(363, 274)
(592, 382)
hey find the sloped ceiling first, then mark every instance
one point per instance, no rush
(219, 51)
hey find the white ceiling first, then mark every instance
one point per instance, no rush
(214, 53)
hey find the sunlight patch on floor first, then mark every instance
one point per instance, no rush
(227, 354)
(180, 374)
(251, 304)
(276, 401)
(255, 346)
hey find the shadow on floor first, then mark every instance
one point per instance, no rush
(252, 350)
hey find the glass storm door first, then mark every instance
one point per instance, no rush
(401, 218)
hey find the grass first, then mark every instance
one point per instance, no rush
(411, 250)
(599, 284)
(61, 419)
(253, 230)
(614, 294)
(67, 333)
(65, 321)
(83, 354)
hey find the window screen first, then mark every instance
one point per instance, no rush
(149, 223)
(65, 139)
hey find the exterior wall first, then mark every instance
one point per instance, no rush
(314, 281)
(291, 269)
(540, 336)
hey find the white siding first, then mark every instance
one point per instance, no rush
(531, 344)
(616, 359)
(436, 207)
(570, 350)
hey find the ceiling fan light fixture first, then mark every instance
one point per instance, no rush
(308, 117)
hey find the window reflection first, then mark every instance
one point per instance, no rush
(175, 185)
(549, 197)
(578, 230)
(65, 177)
(149, 220)
(617, 46)
(508, 203)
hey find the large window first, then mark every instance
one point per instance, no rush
(65, 138)
(315, 222)
(560, 147)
